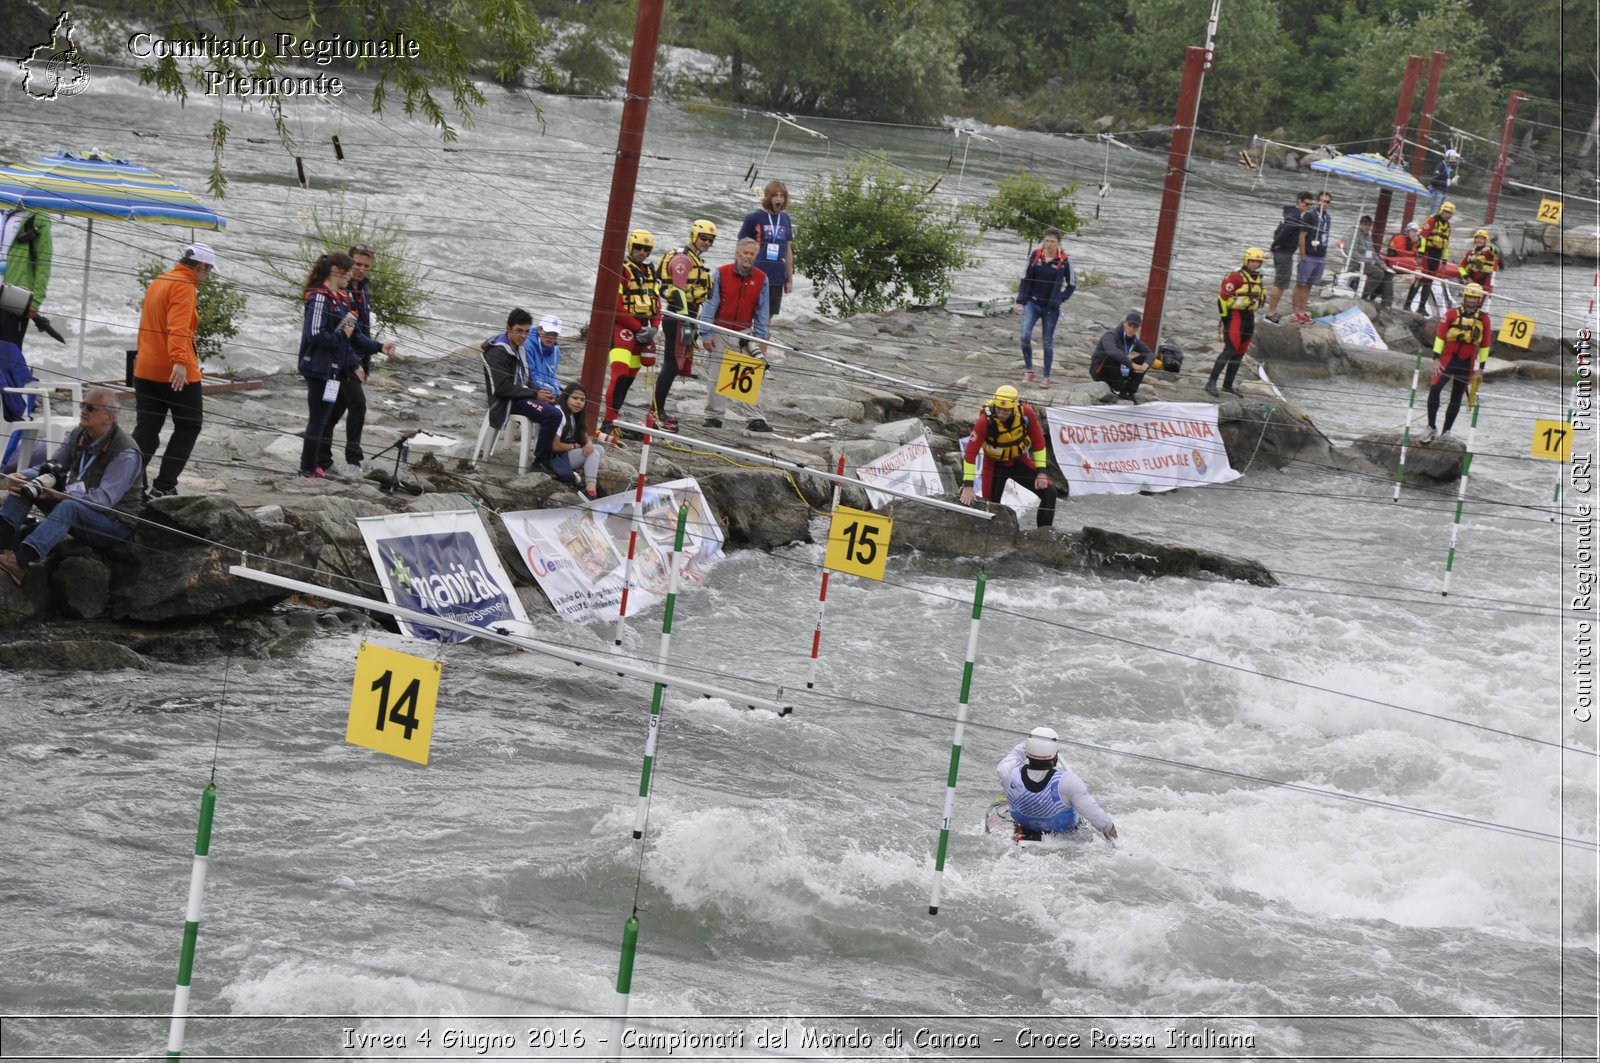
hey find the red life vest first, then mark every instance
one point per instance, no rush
(738, 297)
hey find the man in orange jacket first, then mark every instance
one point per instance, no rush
(166, 371)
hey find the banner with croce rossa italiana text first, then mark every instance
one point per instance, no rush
(1122, 450)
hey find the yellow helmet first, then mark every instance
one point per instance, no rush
(1005, 397)
(1481, 232)
(1473, 291)
(701, 227)
(1254, 254)
(1447, 208)
(641, 238)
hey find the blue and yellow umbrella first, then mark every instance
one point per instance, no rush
(1373, 170)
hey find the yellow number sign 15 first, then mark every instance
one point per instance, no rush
(858, 542)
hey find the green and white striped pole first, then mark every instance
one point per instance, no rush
(1461, 495)
(660, 688)
(191, 926)
(955, 745)
(630, 945)
(1405, 436)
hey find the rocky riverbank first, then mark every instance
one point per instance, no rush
(168, 595)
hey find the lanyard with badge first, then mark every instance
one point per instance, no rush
(777, 229)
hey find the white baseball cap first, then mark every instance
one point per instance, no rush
(1452, 153)
(202, 253)
(550, 323)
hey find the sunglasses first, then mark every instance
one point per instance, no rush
(360, 249)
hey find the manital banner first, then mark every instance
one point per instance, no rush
(443, 564)
(1122, 450)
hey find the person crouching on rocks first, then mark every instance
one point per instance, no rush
(1121, 358)
(1011, 437)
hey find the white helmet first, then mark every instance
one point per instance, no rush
(1041, 744)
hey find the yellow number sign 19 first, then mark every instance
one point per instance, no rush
(858, 542)
(392, 703)
(1516, 330)
(740, 377)
(1553, 440)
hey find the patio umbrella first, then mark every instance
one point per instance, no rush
(95, 185)
(1373, 170)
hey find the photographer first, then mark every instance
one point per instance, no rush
(90, 489)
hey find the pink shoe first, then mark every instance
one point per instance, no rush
(1028, 376)
(1045, 382)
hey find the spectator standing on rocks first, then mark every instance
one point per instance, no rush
(1460, 347)
(332, 350)
(773, 231)
(166, 370)
(1011, 437)
(25, 258)
(1121, 359)
(1047, 282)
(352, 401)
(1315, 225)
(89, 489)
(738, 301)
(1237, 304)
(1285, 242)
(1366, 256)
(1444, 175)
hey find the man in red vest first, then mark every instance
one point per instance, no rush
(738, 301)
(1460, 348)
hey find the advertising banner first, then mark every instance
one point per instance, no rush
(1355, 328)
(443, 564)
(910, 469)
(579, 555)
(1122, 450)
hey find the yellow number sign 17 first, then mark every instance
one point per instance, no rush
(858, 542)
(392, 703)
(1553, 440)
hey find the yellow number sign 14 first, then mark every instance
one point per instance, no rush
(392, 703)
(858, 542)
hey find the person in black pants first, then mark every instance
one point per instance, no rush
(166, 369)
(1121, 359)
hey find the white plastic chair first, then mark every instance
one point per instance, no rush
(488, 435)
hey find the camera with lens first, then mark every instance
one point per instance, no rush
(51, 477)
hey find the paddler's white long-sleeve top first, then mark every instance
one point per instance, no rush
(1071, 791)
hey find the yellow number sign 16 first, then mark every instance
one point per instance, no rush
(740, 377)
(858, 542)
(392, 703)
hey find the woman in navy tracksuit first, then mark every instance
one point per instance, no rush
(1047, 282)
(331, 351)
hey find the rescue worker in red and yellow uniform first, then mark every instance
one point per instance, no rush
(685, 284)
(1011, 437)
(1481, 262)
(1242, 295)
(633, 336)
(1460, 348)
(1434, 243)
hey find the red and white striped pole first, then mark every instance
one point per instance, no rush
(633, 537)
(822, 596)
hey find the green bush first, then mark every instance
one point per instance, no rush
(585, 66)
(871, 240)
(1025, 205)
(395, 283)
(220, 304)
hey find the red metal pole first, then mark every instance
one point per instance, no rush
(1397, 144)
(1425, 126)
(1505, 150)
(1196, 61)
(630, 140)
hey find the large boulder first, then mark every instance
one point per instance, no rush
(1114, 552)
(69, 655)
(1302, 351)
(762, 508)
(1261, 433)
(178, 568)
(1438, 462)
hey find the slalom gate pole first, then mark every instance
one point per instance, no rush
(191, 925)
(822, 596)
(661, 660)
(630, 945)
(1572, 399)
(1405, 437)
(955, 744)
(1461, 495)
(633, 537)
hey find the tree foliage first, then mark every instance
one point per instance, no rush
(1024, 204)
(453, 37)
(396, 285)
(873, 240)
(219, 302)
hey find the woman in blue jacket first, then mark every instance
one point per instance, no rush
(331, 354)
(1047, 282)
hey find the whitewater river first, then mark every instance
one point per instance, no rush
(356, 901)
